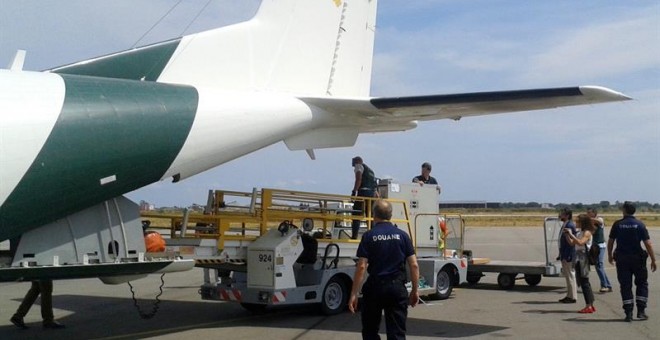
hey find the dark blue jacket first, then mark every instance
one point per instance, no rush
(566, 250)
(628, 233)
(386, 249)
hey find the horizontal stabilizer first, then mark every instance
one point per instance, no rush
(454, 106)
(402, 113)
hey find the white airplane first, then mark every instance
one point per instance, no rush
(75, 138)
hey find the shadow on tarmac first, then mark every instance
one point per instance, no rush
(518, 288)
(599, 320)
(101, 317)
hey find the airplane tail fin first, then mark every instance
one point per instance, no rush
(303, 47)
(319, 47)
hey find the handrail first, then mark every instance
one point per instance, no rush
(335, 261)
(251, 214)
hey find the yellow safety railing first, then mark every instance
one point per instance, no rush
(244, 216)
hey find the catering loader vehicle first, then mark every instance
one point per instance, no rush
(275, 247)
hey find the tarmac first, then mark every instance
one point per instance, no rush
(93, 310)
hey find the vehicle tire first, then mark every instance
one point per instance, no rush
(335, 296)
(443, 286)
(506, 281)
(255, 308)
(533, 279)
(473, 278)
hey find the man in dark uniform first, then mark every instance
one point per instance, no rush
(630, 259)
(364, 186)
(384, 252)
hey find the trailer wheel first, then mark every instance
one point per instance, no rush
(533, 279)
(335, 296)
(255, 308)
(473, 278)
(506, 281)
(443, 285)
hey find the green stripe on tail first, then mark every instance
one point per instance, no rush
(144, 63)
(125, 133)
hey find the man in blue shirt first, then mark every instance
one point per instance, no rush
(425, 177)
(630, 259)
(384, 252)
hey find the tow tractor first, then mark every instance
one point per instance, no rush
(274, 247)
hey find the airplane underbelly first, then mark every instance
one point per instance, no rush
(232, 124)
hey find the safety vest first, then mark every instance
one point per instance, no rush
(368, 178)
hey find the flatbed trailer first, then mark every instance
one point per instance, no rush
(510, 271)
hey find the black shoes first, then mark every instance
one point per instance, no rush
(567, 300)
(53, 324)
(18, 321)
(628, 317)
(641, 315)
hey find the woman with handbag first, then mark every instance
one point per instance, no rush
(582, 240)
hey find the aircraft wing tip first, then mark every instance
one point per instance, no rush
(603, 93)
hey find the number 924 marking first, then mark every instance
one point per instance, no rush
(265, 258)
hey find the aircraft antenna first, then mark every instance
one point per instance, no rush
(195, 18)
(156, 24)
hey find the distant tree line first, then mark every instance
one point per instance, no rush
(602, 206)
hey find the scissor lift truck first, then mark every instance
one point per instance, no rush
(532, 272)
(279, 247)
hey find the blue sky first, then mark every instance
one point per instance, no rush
(582, 154)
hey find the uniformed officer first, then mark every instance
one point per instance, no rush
(384, 252)
(630, 258)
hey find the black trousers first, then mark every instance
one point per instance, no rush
(359, 208)
(628, 266)
(587, 292)
(389, 296)
(43, 288)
